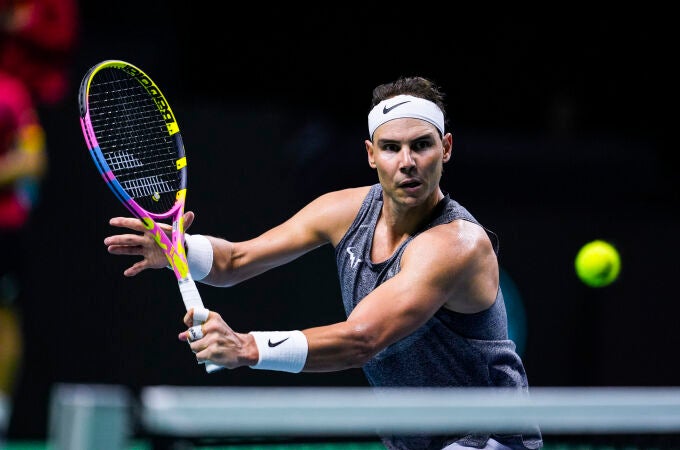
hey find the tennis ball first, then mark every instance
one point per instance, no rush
(598, 263)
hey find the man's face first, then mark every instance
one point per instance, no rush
(408, 156)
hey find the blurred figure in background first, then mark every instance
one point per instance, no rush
(37, 43)
(23, 162)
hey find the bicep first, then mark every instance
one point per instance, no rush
(442, 268)
(390, 312)
(402, 304)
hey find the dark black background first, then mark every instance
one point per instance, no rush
(561, 134)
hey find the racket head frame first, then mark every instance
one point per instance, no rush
(173, 247)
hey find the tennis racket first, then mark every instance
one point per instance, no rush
(134, 140)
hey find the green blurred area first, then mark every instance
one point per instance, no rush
(144, 445)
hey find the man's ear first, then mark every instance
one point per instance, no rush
(447, 143)
(369, 153)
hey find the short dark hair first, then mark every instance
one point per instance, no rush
(416, 86)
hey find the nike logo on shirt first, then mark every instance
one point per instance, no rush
(274, 344)
(386, 109)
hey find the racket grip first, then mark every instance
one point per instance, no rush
(192, 299)
(190, 295)
(212, 367)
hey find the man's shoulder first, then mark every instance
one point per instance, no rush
(335, 211)
(347, 195)
(454, 236)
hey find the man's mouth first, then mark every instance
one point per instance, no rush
(409, 184)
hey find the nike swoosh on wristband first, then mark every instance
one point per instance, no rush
(386, 109)
(274, 344)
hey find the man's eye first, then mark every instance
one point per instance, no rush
(420, 145)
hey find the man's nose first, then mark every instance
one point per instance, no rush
(407, 160)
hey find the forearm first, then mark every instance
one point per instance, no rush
(233, 262)
(214, 261)
(321, 349)
(338, 346)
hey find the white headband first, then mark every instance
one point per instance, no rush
(403, 106)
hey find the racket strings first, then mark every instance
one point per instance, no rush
(134, 139)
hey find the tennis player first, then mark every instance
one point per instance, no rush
(419, 275)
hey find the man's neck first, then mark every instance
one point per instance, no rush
(397, 222)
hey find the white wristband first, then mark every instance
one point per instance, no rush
(199, 255)
(285, 351)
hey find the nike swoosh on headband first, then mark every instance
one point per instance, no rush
(386, 109)
(274, 344)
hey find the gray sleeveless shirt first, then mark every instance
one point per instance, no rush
(451, 349)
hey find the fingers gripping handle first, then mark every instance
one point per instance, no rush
(192, 299)
(200, 315)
